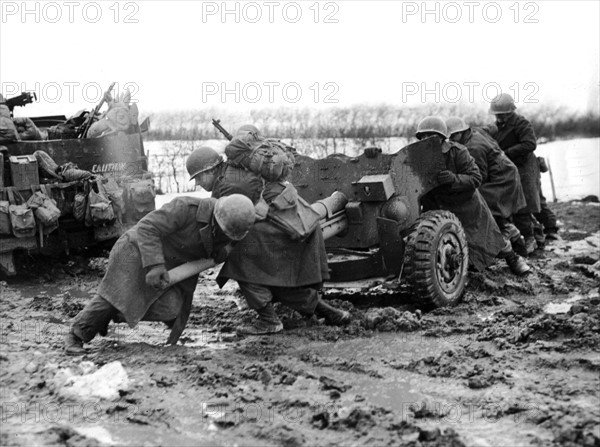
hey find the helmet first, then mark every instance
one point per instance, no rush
(247, 128)
(235, 215)
(202, 159)
(503, 103)
(432, 124)
(456, 124)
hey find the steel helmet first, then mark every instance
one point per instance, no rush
(432, 124)
(503, 103)
(235, 215)
(456, 124)
(202, 159)
(247, 128)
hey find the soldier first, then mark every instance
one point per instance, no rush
(136, 284)
(268, 266)
(500, 187)
(516, 138)
(457, 192)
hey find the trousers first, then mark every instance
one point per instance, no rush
(301, 299)
(97, 314)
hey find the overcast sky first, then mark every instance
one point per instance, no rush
(183, 55)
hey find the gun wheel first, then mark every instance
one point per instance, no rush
(436, 259)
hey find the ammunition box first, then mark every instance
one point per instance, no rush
(24, 171)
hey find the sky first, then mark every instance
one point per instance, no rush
(191, 54)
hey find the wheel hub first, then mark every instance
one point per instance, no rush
(449, 262)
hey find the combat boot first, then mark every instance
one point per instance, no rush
(517, 264)
(553, 236)
(518, 245)
(73, 344)
(332, 315)
(267, 323)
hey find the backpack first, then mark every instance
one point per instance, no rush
(99, 210)
(21, 216)
(292, 214)
(270, 159)
(44, 209)
(140, 198)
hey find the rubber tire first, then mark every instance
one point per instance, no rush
(420, 268)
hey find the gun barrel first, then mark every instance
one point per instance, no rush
(335, 226)
(333, 215)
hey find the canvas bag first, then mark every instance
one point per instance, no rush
(267, 158)
(21, 216)
(5, 226)
(141, 198)
(115, 195)
(292, 214)
(99, 210)
(44, 209)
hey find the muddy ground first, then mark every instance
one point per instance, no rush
(516, 363)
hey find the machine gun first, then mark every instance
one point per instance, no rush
(88, 122)
(20, 101)
(217, 124)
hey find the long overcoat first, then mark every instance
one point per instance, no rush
(181, 231)
(501, 184)
(462, 198)
(267, 255)
(517, 139)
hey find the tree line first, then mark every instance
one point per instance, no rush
(360, 122)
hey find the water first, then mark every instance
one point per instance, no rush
(575, 167)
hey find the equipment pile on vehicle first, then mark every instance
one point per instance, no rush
(73, 182)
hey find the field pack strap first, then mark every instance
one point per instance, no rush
(47, 190)
(13, 194)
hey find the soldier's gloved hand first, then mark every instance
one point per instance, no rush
(221, 254)
(371, 152)
(158, 277)
(446, 177)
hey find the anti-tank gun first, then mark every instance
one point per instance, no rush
(372, 204)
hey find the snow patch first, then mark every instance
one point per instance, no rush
(104, 383)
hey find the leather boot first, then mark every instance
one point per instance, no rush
(518, 245)
(517, 264)
(267, 323)
(332, 315)
(73, 344)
